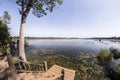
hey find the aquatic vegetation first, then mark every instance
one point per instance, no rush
(114, 73)
(86, 67)
(104, 57)
(115, 53)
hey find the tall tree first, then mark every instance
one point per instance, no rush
(39, 8)
(6, 17)
(4, 30)
(4, 34)
(5, 40)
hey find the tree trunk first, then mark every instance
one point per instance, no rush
(21, 42)
(11, 73)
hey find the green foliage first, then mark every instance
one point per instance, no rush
(85, 66)
(26, 43)
(4, 34)
(6, 18)
(39, 7)
(117, 69)
(114, 73)
(1, 49)
(4, 30)
(104, 57)
(115, 53)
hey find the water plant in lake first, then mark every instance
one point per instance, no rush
(86, 67)
(104, 57)
(115, 53)
(114, 73)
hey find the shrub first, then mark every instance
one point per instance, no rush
(114, 73)
(115, 53)
(104, 57)
(4, 34)
(26, 43)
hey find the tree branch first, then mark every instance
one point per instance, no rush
(29, 6)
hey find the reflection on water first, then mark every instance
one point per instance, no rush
(69, 46)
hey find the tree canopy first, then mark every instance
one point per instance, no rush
(6, 17)
(39, 7)
(4, 30)
(4, 34)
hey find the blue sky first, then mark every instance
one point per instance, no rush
(74, 18)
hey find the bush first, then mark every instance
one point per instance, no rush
(114, 73)
(4, 34)
(26, 43)
(115, 53)
(104, 57)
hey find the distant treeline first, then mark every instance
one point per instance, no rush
(104, 38)
(16, 37)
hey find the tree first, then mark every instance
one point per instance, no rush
(5, 41)
(6, 18)
(4, 30)
(39, 8)
(4, 34)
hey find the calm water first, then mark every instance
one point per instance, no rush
(69, 46)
